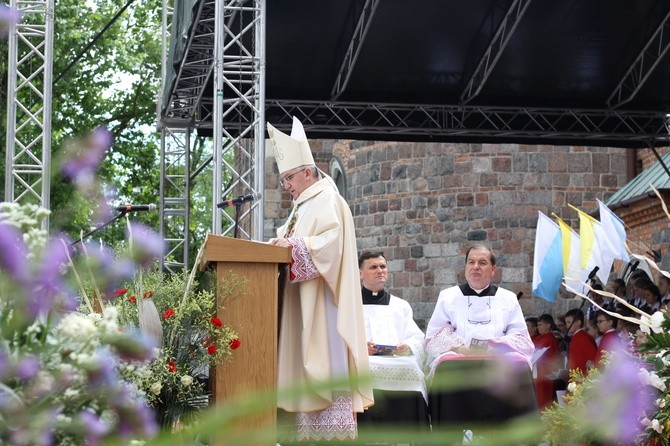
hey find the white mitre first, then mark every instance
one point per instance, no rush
(291, 151)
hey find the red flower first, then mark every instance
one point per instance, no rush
(216, 321)
(234, 344)
(132, 298)
(148, 294)
(205, 341)
(172, 367)
(120, 292)
(167, 314)
(211, 349)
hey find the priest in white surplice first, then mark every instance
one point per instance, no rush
(477, 317)
(478, 328)
(395, 346)
(322, 333)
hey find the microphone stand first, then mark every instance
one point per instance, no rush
(99, 228)
(237, 217)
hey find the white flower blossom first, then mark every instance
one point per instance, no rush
(658, 427)
(652, 323)
(186, 380)
(651, 379)
(111, 313)
(656, 321)
(156, 388)
(77, 326)
(572, 387)
(71, 393)
(34, 328)
(660, 403)
(663, 356)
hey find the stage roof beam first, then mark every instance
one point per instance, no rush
(451, 122)
(495, 49)
(357, 40)
(643, 67)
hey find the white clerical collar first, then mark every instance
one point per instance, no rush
(479, 291)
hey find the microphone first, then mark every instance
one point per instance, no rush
(239, 200)
(136, 207)
(592, 274)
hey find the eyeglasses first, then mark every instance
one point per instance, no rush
(287, 178)
(482, 315)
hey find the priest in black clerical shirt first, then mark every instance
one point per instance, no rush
(395, 346)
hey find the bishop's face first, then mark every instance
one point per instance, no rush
(479, 270)
(296, 180)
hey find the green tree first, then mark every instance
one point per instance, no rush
(114, 85)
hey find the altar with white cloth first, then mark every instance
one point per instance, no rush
(398, 382)
(398, 373)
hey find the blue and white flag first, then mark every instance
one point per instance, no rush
(547, 259)
(614, 232)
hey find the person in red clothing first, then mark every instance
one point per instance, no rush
(611, 341)
(548, 362)
(582, 348)
(531, 324)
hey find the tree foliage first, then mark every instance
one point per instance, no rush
(113, 84)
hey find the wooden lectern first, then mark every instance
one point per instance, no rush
(253, 366)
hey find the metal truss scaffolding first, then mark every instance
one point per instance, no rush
(227, 45)
(28, 148)
(239, 99)
(445, 123)
(175, 197)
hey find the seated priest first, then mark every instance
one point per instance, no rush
(395, 349)
(478, 336)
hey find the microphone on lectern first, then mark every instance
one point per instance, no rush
(239, 200)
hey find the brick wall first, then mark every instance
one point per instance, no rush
(423, 203)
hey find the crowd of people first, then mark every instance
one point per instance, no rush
(579, 339)
(338, 322)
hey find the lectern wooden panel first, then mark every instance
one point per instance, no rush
(254, 317)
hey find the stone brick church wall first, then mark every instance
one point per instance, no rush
(422, 204)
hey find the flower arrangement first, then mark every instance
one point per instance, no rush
(191, 339)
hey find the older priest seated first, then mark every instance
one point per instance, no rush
(480, 327)
(395, 346)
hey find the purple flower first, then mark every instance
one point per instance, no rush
(109, 272)
(134, 415)
(103, 372)
(616, 406)
(51, 291)
(8, 18)
(132, 346)
(27, 368)
(147, 244)
(94, 427)
(4, 362)
(82, 166)
(13, 252)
